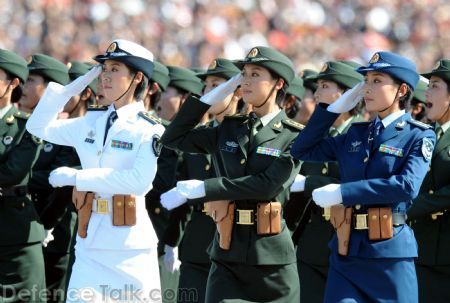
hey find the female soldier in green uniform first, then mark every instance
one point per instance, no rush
(252, 156)
(429, 212)
(22, 275)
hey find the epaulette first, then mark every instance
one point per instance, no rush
(361, 123)
(22, 115)
(96, 107)
(419, 124)
(150, 118)
(293, 124)
(236, 117)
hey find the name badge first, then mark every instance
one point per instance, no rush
(121, 144)
(89, 140)
(391, 150)
(268, 151)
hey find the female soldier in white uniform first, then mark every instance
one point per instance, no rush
(118, 149)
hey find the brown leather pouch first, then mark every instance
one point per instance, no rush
(83, 202)
(124, 210)
(222, 212)
(268, 217)
(380, 223)
(341, 219)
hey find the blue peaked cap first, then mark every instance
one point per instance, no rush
(394, 65)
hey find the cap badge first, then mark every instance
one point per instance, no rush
(213, 65)
(69, 65)
(375, 58)
(253, 53)
(112, 47)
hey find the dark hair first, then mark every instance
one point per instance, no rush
(405, 100)
(142, 86)
(16, 94)
(281, 94)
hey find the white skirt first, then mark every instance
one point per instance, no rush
(102, 275)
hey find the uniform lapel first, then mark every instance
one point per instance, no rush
(269, 132)
(391, 131)
(100, 125)
(442, 143)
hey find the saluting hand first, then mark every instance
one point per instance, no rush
(327, 195)
(63, 176)
(219, 93)
(348, 100)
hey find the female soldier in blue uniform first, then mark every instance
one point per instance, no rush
(256, 168)
(429, 214)
(382, 165)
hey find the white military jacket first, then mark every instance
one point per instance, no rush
(125, 164)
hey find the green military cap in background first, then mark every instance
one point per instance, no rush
(350, 63)
(220, 67)
(160, 75)
(341, 73)
(49, 68)
(296, 88)
(185, 79)
(419, 92)
(271, 59)
(14, 64)
(78, 69)
(441, 70)
(309, 79)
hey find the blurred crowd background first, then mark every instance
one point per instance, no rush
(192, 32)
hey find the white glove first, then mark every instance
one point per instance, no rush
(348, 100)
(299, 184)
(171, 261)
(79, 84)
(219, 93)
(173, 198)
(48, 237)
(192, 189)
(327, 195)
(63, 176)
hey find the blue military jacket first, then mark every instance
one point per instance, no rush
(385, 171)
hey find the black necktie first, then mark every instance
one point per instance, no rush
(378, 127)
(111, 119)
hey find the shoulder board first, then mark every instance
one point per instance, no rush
(361, 123)
(293, 124)
(149, 118)
(419, 124)
(236, 117)
(22, 115)
(97, 108)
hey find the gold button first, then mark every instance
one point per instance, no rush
(242, 161)
(23, 204)
(119, 203)
(429, 168)
(385, 217)
(130, 204)
(357, 207)
(310, 220)
(366, 159)
(431, 192)
(434, 216)
(207, 167)
(157, 210)
(374, 217)
(324, 170)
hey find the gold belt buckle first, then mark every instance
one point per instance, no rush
(361, 221)
(102, 206)
(327, 213)
(245, 217)
(436, 215)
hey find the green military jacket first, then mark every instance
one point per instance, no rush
(19, 221)
(432, 232)
(257, 169)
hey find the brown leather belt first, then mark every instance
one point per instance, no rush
(360, 221)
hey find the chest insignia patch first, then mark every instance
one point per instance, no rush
(268, 151)
(355, 146)
(89, 140)
(427, 148)
(391, 150)
(7, 140)
(48, 147)
(230, 147)
(121, 144)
